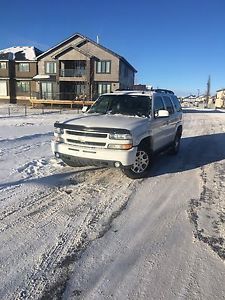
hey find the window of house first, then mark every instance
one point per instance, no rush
(169, 105)
(23, 86)
(158, 105)
(103, 67)
(3, 88)
(3, 65)
(104, 88)
(50, 68)
(80, 89)
(23, 67)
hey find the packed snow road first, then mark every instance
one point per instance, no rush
(92, 233)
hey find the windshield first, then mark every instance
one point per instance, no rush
(131, 105)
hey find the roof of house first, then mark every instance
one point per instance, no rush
(21, 53)
(89, 40)
(221, 90)
(190, 97)
(64, 50)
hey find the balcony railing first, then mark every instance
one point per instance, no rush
(58, 96)
(72, 72)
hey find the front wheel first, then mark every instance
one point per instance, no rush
(141, 165)
(176, 145)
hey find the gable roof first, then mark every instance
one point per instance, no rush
(20, 53)
(66, 49)
(61, 44)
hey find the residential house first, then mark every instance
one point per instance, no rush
(18, 66)
(79, 68)
(220, 98)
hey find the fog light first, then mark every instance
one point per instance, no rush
(58, 139)
(117, 164)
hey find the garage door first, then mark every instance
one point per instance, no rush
(3, 88)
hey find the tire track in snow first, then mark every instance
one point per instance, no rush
(26, 137)
(80, 219)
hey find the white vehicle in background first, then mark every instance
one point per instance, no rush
(123, 129)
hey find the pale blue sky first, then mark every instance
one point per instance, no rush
(173, 44)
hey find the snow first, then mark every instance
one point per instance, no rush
(29, 52)
(92, 233)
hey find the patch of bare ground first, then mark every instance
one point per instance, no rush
(208, 212)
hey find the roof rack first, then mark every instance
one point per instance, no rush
(120, 90)
(163, 91)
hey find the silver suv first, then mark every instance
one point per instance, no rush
(123, 129)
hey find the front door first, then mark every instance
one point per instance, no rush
(3, 88)
(47, 90)
(159, 125)
(172, 120)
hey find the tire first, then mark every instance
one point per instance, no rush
(176, 145)
(141, 166)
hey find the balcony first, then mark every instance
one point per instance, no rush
(72, 72)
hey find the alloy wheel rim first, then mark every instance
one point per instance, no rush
(141, 162)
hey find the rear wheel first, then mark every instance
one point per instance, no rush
(141, 165)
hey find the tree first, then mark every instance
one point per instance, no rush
(208, 92)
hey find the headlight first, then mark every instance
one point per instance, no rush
(120, 136)
(58, 130)
(120, 146)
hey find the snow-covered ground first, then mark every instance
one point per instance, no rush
(92, 233)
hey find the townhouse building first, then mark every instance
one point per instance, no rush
(18, 66)
(80, 68)
(76, 68)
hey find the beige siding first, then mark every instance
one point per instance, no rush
(101, 54)
(73, 55)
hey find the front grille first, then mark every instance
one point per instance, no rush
(86, 143)
(87, 134)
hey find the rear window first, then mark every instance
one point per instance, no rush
(169, 104)
(176, 103)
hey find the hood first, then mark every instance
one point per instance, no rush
(107, 121)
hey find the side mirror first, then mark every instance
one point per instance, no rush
(84, 109)
(162, 114)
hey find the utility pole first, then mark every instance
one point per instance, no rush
(208, 91)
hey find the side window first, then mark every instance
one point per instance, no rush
(158, 105)
(169, 104)
(176, 103)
